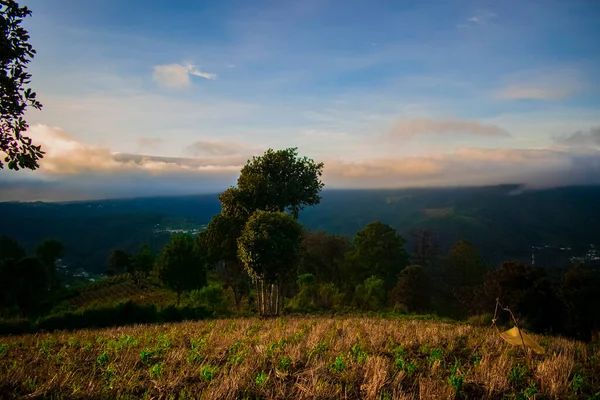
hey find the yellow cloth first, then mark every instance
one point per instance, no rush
(512, 336)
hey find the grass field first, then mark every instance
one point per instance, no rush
(294, 358)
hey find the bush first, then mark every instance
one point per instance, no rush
(211, 297)
(370, 295)
(15, 326)
(481, 320)
(122, 314)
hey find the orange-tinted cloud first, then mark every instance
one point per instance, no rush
(406, 129)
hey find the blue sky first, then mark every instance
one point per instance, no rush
(146, 98)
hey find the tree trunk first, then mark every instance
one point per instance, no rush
(262, 300)
(277, 300)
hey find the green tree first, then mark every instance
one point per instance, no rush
(464, 265)
(219, 243)
(269, 247)
(323, 255)
(10, 249)
(181, 265)
(377, 250)
(15, 53)
(118, 262)
(371, 294)
(140, 263)
(49, 252)
(276, 181)
(412, 289)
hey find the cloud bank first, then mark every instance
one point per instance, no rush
(73, 170)
(406, 129)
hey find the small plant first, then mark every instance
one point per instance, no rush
(319, 348)
(103, 358)
(436, 355)
(156, 370)
(236, 354)
(577, 383)
(285, 363)
(339, 365)
(527, 394)
(3, 350)
(517, 374)
(148, 356)
(476, 359)
(358, 354)
(261, 378)
(208, 372)
(456, 379)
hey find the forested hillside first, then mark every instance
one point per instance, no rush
(501, 223)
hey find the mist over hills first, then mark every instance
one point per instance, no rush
(503, 221)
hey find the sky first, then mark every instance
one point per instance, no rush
(167, 98)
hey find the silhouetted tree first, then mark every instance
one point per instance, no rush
(118, 262)
(463, 271)
(181, 265)
(49, 251)
(15, 53)
(580, 287)
(323, 255)
(377, 250)
(140, 263)
(269, 247)
(10, 248)
(219, 243)
(412, 289)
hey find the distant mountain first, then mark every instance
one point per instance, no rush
(503, 221)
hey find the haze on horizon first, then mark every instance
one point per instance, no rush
(155, 99)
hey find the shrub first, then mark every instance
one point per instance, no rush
(211, 297)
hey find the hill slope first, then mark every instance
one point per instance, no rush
(502, 223)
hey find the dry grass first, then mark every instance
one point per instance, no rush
(295, 358)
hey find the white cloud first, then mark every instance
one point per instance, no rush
(177, 76)
(406, 129)
(542, 84)
(482, 18)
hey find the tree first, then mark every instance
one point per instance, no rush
(426, 250)
(49, 251)
(181, 265)
(219, 243)
(463, 270)
(10, 249)
(464, 266)
(412, 289)
(118, 262)
(15, 53)
(323, 255)
(579, 291)
(276, 181)
(370, 295)
(377, 250)
(25, 283)
(269, 248)
(140, 263)
(526, 290)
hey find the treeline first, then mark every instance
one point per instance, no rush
(257, 250)
(28, 282)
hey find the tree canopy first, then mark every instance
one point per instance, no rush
(181, 265)
(276, 181)
(377, 250)
(15, 53)
(269, 245)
